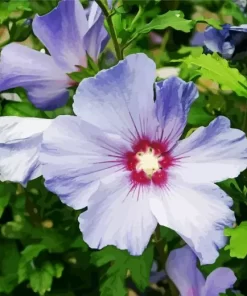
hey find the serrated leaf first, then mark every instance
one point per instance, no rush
(217, 69)
(41, 279)
(122, 262)
(173, 18)
(80, 75)
(238, 240)
(25, 265)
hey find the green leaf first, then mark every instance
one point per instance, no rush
(217, 69)
(41, 279)
(198, 115)
(231, 8)
(25, 265)
(173, 18)
(9, 260)
(6, 8)
(211, 22)
(20, 30)
(21, 109)
(43, 6)
(138, 267)
(135, 2)
(80, 75)
(238, 240)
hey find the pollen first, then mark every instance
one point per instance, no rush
(148, 162)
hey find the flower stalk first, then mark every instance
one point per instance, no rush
(111, 28)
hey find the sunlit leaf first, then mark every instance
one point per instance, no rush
(238, 240)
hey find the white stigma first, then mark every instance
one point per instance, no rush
(148, 162)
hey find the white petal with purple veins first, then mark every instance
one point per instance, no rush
(117, 216)
(120, 100)
(198, 213)
(211, 154)
(75, 156)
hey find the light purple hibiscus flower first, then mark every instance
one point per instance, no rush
(181, 268)
(121, 157)
(68, 36)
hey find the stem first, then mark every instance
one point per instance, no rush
(128, 43)
(138, 15)
(111, 28)
(165, 39)
(160, 246)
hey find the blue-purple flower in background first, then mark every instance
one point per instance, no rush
(181, 268)
(68, 36)
(230, 42)
(121, 157)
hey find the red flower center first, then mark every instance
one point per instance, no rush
(148, 162)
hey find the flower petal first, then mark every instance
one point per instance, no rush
(96, 37)
(20, 140)
(203, 212)
(173, 100)
(45, 83)
(75, 155)
(197, 39)
(181, 269)
(61, 31)
(219, 281)
(211, 154)
(118, 216)
(119, 99)
(214, 39)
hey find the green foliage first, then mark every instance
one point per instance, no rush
(22, 109)
(91, 70)
(8, 7)
(231, 8)
(238, 240)
(216, 68)
(174, 19)
(122, 265)
(198, 114)
(9, 259)
(42, 6)
(41, 279)
(42, 251)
